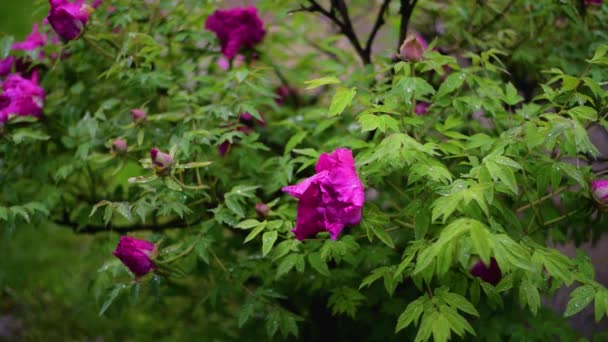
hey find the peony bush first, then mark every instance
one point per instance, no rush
(315, 170)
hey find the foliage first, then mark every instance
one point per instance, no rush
(498, 167)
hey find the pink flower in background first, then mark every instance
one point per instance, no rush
(599, 189)
(284, 94)
(160, 160)
(488, 273)
(246, 124)
(236, 28)
(96, 3)
(413, 48)
(21, 96)
(33, 41)
(593, 2)
(262, 209)
(135, 254)
(138, 115)
(422, 108)
(119, 145)
(330, 199)
(224, 63)
(68, 18)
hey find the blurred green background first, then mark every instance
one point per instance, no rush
(17, 16)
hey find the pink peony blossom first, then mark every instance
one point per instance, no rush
(33, 41)
(135, 254)
(161, 161)
(284, 94)
(21, 96)
(262, 209)
(600, 190)
(330, 199)
(490, 274)
(68, 18)
(236, 28)
(413, 48)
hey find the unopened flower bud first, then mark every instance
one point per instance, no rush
(161, 161)
(412, 48)
(136, 254)
(119, 146)
(488, 273)
(68, 18)
(138, 115)
(599, 190)
(262, 209)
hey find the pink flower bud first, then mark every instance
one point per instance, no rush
(119, 146)
(262, 209)
(490, 274)
(160, 160)
(136, 254)
(422, 108)
(68, 18)
(599, 190)
(138, 115)
(412, 48)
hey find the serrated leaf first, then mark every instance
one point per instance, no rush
(459, 302)
(411, 314)
(370, 122)
(341, 99)
(382, 235)
(110, 298)
(248, 224)
(528, 294)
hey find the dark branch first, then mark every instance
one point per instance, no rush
(406, 10)
(379, 22)
(345, 25)
(492, 21)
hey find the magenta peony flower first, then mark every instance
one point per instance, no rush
(96, 3)
(490, 274)
(138, 115)
(135, 254)
(119, 146)
(413, 48)
(236, 28)
(21, 96)
(68, 18)
(6, 66)
(422, 108)
(161, 161)
(599, 190)
(33, 41)
(330, 199)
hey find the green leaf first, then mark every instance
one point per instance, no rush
(504, 174)
(528, 294)
(110, 298)
(255, 232)
(579, 299)
(482, 242)
(248, 224)
(601, 304)
(382, 235)
(321, 82)
(411, 314)
(342, 99)
(294, 141)
(459, 302)
(268, 240)
(583, 113)
(314, 259)
(451, 83)
(26, 134)
(370, 122)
